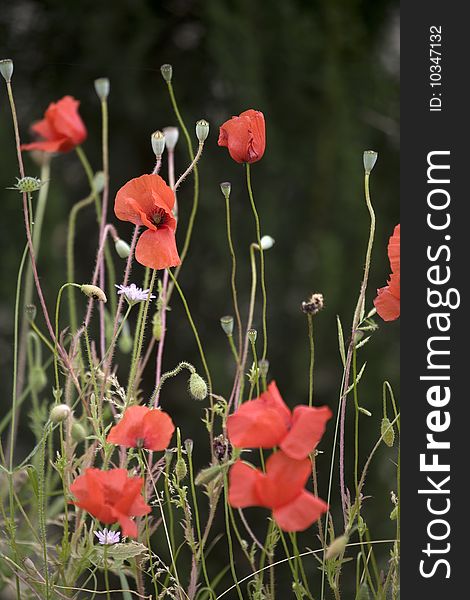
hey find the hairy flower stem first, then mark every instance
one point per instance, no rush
(191, 166)
(263, 283)
(57, 308)
(156, 392)
(229, 539)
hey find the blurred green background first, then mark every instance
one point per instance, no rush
(325, 74)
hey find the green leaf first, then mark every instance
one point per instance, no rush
(341, 341)
(358, 378)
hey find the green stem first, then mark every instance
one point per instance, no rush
(106, 574)
(57, 309)
(233, 276)
(229, 539)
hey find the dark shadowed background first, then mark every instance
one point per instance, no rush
(325, 74)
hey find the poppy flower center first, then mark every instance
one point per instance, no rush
(158, 217)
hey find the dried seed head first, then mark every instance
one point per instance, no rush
(227, 324)
(158, 143)
(167, 72)
(313, 305)
(370, 158)
(197, 387)
(171, 137)
(226, 188)
(60, 413)
(222, 448)
(387, 431)
(93, 291)
(6, 69)
(122, 248)
(202, 130)
(102, 88)
(27, 184)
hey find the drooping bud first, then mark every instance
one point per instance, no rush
(157, 329)
(78, 433)
(158, 143)
(181, 469)
(267, 242)
(122, 248)
(171, 137)
(6, 69)
(167, 72)
(202, 130)
(60, 413)
(227, 324)
(337, 546)
(263, 366)
(37, 379)
(370, 158)
(226, 188)
(313, 305)
(102, 88)
(93, 291)
(197, 387)
(387, 431)
(252, 335)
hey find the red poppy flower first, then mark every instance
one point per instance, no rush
(244, 136)
(142, 427)
(149, 201)
(112, 497)
(267, 421)
(61, 129)
(387, 301)
(281, 489)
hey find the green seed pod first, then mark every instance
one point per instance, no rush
(122, 248)
(171, 137)
(180, 469)
(78, 433)
(226, 323)
(37, 379)
(60, 413)
(337, 546)
(370, 158)
(6, 69)
(157, 329)
(202, 130)
(158, 143)
(102, 88)
(188, 446)
(387, 431)
(167, 72)
(252, 335)
(263, 366)
(197, 387)
(226, 187)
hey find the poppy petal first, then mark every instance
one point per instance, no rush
(387, 305)
(158, 430)
(299, 514)
(308, 427)
(130, 427)
(285, 479)
(57, 145)
(129, 528)
(157, 249)
(394, 250)
(242, 485)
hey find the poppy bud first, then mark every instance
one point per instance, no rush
(60, 413)
(226, 188)
(6, 69)
(171, 137)
(197, 387)
(387, 431)
(202, 130)
(158, 143)
(157, 326)
(207, 475)
(180, 469)
(78, 433)
(122, 248)
(267, 242)
(227, 324)
(102, 88)
(27, 184)
(337, 546)
(167, 72)
(263, 366)
(313, 305)
(252, 335)
(93, 291)
(370, 158)
(188, 445)
(30, 567)
(37, 379)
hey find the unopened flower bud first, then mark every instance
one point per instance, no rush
(122, 248)
(102, 88)
(197, 387)
(158, 143)
(202, 130)
(337, 546)
(188, 445)
(78, 433)
(37, 379)
(60, 413)
(167, 72)
(30, 567)
(171, 137)
(263, 366)
(313, 305)
(252, 335)
(226, 188)
(227, 324)
(93, 291)
(267, 242)
(370, 158)
(157, 328)
(99, 181)
(6, 69)
(387, 431)
(180, 469)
